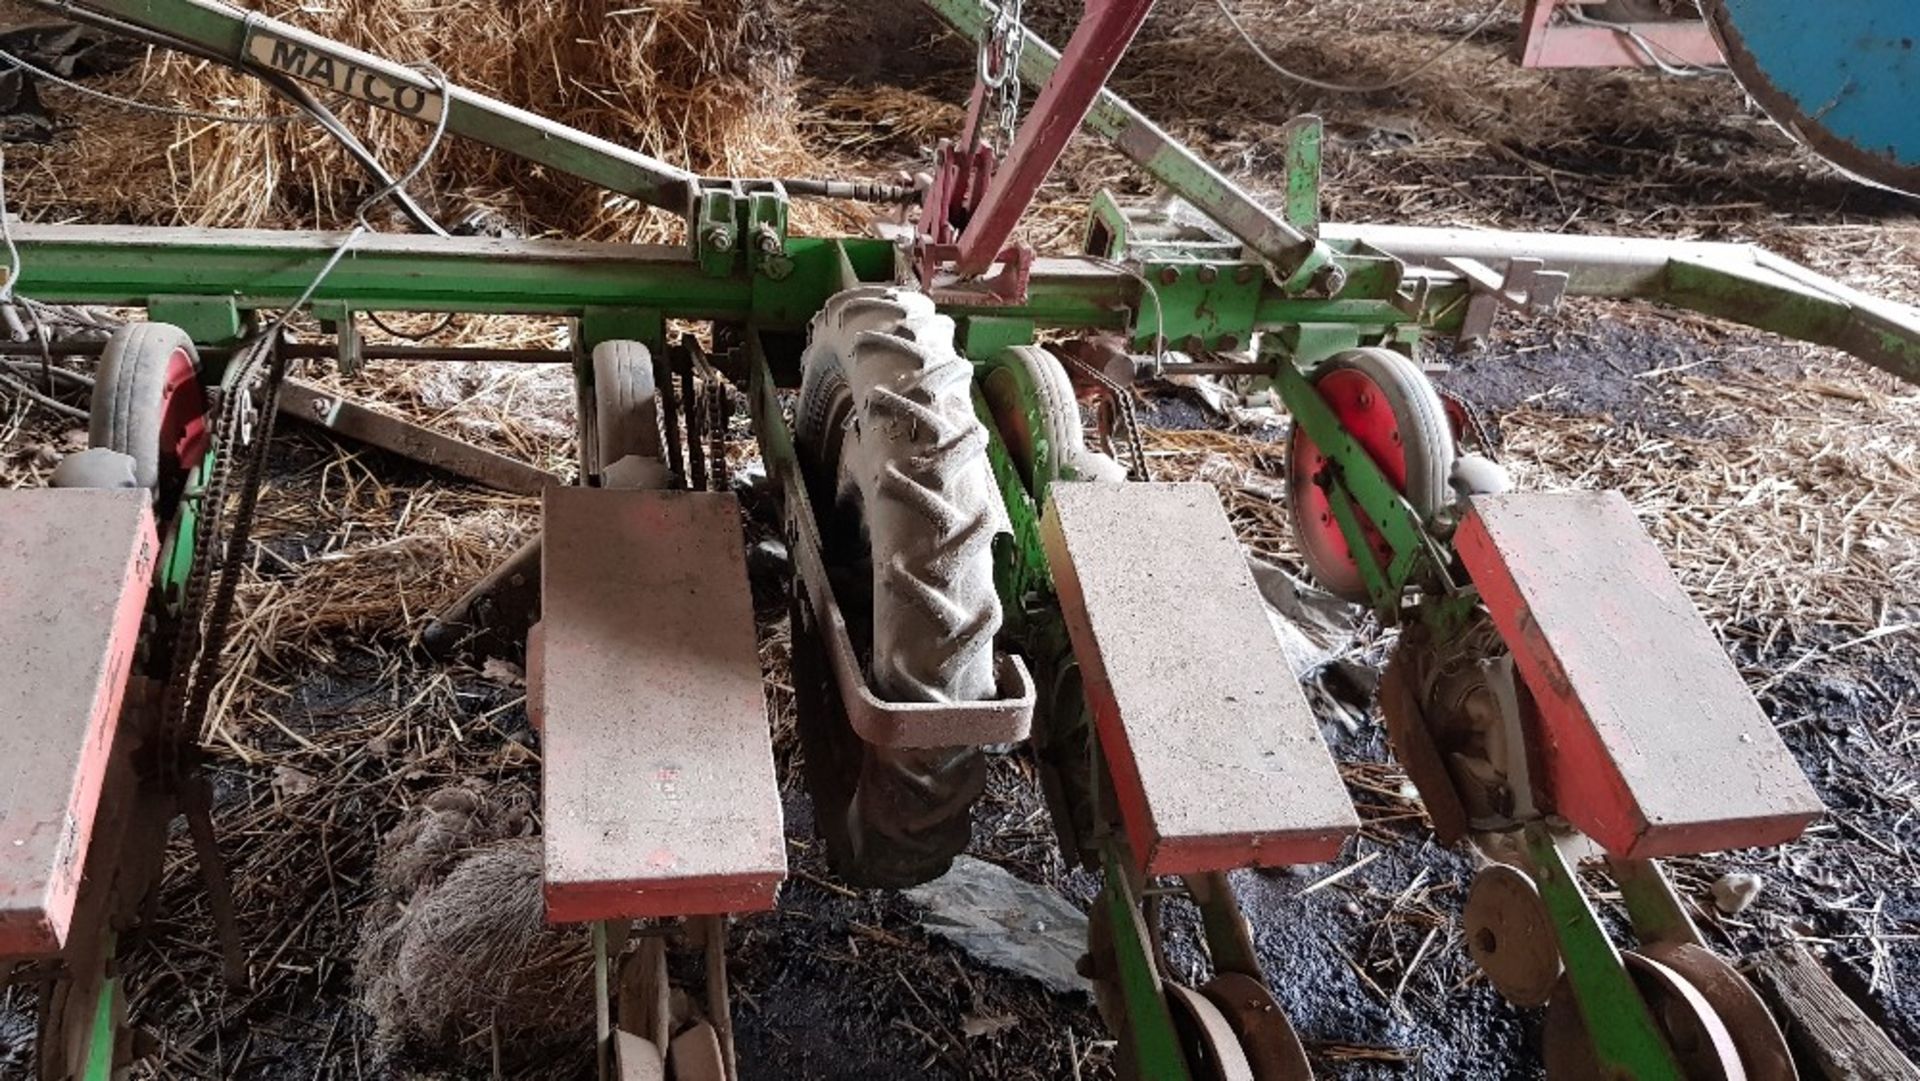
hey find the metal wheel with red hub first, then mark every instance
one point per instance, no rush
(148, 404)
(1390, 409)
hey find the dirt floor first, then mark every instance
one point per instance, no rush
(1780, 479)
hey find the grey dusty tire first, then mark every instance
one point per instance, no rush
(130, 396)
(626, 408)
(896, 463)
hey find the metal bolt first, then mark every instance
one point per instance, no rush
(1245, 274)
(1194, 344)
(1366, 399)
(1229, 342)
(1169, 275)
(717, 237)
(1207, 274)
(1327, 281)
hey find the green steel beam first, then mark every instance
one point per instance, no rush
(402, 90)
(128, 267)
(1627, 1042)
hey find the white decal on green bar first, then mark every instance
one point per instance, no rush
(310, 63)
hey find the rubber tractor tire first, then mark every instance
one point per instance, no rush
(896, 463)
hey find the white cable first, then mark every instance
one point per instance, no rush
(6, 234)
(144, 106)
(1679, 68)
(361, 225)
(1493, 12)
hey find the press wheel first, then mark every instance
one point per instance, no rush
(148, 404)
(1763, 1047)
(1698, 1036)
(1037, 416)
(1510, 936)
(1388, 406)
(1213, 1050)
(1272, 1048)
(626, 409)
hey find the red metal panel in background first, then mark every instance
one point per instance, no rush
(1653, 746)
(75, 567)
(1545, 43)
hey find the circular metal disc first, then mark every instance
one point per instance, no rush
(1213, 1051)
(1700, 1041)
(1564, 1046)
(694, 1055)
(1266, 1036)
(1510, 936)
(1837, 77)
(1763, 1048)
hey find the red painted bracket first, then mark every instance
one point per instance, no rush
(1547, 44)
(975, 203)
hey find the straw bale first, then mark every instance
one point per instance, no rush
(704, 84)
(470, 969)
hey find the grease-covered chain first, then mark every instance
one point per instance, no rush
(243, 423)
(1000, 67)
(1129, 420)
(714, 393)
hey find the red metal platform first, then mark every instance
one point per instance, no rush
(657, 781)
(1216, 758)
(1652, 744)
(75, 565)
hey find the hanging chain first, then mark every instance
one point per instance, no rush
(243, 427)
(1000, 67)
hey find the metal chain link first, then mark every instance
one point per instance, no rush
(1000, 53)
(201, 633)
(1129, 420)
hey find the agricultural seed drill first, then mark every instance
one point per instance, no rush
(970, 570)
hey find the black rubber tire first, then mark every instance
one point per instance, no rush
(1426, 439)
(626, 403)
(895, 817)
(129, 390)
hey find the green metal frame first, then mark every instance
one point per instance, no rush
(1308, 290)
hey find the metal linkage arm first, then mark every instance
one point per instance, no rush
(1095, 50)
(1740, 282)
(262, 43)
(1300, 261)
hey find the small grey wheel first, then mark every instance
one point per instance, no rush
(1389, 407)
(896, 464)
(147, 403)
(1038, 418)
(626, 405)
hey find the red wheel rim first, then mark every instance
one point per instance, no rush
(183, 417)
(1367, 415)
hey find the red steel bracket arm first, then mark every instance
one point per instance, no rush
(1098, 43)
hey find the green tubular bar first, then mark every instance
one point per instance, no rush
(1156, 1044)
(124, 266)
(1625, 1037)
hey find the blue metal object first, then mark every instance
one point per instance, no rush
(1842, 77)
